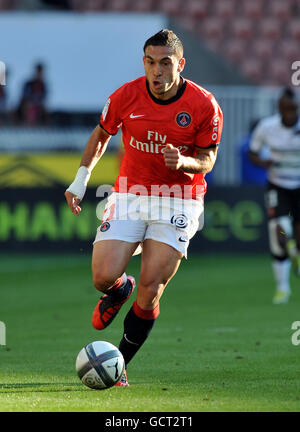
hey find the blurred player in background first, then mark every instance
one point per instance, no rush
(3, 104)
(281, 134)
(171, 129)
(3, 95)
(251, 174)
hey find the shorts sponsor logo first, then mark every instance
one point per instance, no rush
(105, 226)
(183, 119)
(180, 221)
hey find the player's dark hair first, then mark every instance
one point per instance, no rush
(288, 93)
(167, 38)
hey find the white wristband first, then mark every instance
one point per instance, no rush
(78, 187)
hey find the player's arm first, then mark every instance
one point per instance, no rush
(95, 148)
(257, 142)
(202, 161)
(257, 160)
(93, 151)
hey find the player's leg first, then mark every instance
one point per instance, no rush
(297, 234)
(280, 232)
(293, 245)
(293, 248)
(109, 262)
(165, 243)
(116, 240)
(159, 264)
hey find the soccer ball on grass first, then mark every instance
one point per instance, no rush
(100, 365)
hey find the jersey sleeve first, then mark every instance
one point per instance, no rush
(258, 138)
(110, 119)
(210, 127)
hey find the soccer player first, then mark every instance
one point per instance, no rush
(171, 129)
(280, 134)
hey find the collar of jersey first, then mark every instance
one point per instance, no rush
(172, 99)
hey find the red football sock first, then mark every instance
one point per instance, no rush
(138, 324)
(145, 314)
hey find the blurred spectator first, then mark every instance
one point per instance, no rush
(251, 174)
(31, 110)
(3, 102)
(3, 98)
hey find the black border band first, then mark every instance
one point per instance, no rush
(109, 133)
(208, 147)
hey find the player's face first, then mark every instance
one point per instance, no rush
(289, 112)
(162, 69)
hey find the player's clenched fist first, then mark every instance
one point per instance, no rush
(173, 158)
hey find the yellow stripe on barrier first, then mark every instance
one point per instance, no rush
(49, 169)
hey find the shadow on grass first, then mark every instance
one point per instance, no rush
(38, 387)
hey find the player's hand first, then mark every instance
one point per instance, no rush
(268, 164)
(173, 158)
(73, 202)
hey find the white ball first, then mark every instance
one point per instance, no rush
(100, 365)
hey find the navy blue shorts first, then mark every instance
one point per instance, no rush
(282, 202)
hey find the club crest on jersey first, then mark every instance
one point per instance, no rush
(105, 226)
(183, 119)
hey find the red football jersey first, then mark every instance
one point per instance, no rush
(190, 119)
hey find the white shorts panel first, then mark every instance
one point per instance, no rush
(169, 234)
(134, 218)
(126, 230)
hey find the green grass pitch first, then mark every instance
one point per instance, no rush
(218, 345)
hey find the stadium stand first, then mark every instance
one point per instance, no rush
(141, 6)
(252, 9)
(294, 29)
(7, 4)
(281, 10)
(196, 10)
(249, 34)
(262, 48)
(225, 9)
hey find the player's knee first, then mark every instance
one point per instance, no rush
(150, 294)
(103, 281)
(280, 230)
